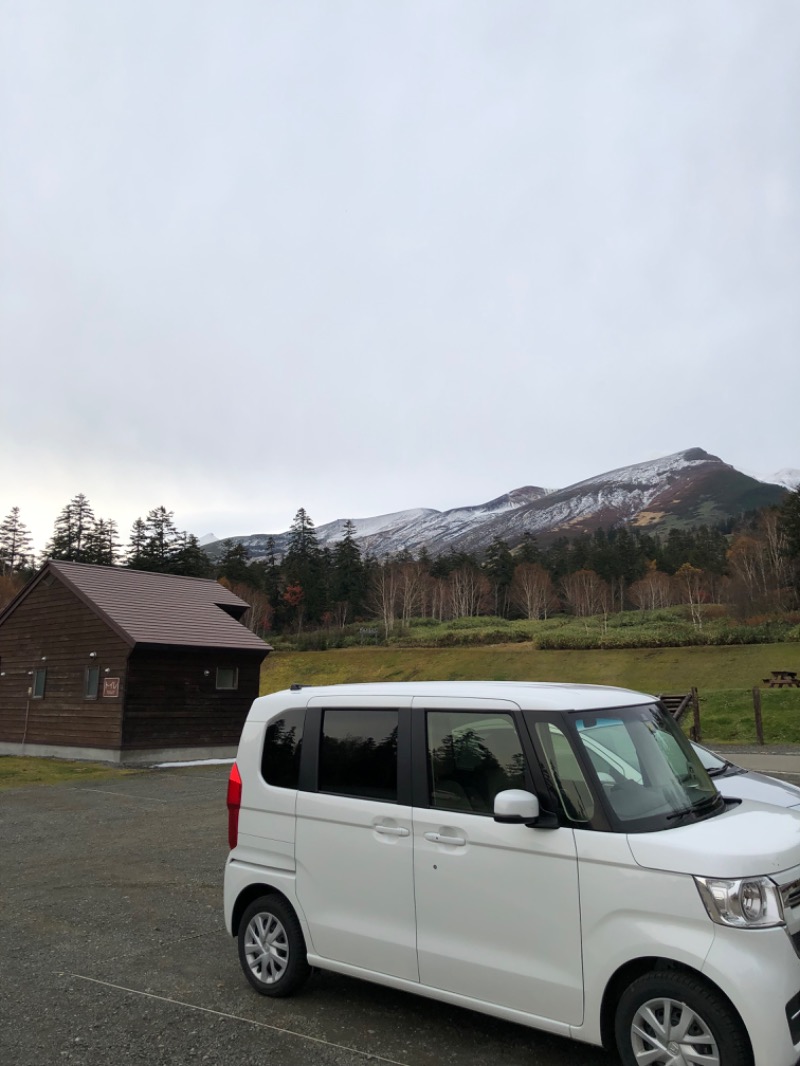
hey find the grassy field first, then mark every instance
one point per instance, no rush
(670, 627)
(723, 676)
(21, 771)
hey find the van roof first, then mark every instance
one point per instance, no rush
(530, 695)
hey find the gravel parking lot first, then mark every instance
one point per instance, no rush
(114, 951)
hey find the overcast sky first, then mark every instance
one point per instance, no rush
(361, 255)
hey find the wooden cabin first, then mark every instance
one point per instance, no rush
(102, 662)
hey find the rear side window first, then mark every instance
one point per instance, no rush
(358, 754)
(280, 760)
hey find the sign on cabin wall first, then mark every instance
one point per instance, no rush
(111, 686)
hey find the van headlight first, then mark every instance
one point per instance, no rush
(746, 903)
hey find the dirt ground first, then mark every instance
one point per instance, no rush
(113, 950)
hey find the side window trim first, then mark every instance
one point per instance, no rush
(309, 757)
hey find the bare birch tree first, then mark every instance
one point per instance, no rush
(651, 592)
(586, 593)
(384, 593)
(532, 590)
(469, 589)
(691, 585)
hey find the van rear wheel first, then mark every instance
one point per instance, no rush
(272, 949)
(670, 1018)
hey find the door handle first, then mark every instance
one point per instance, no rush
(391, 830)
(440, 838)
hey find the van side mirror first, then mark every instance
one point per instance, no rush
(515, 806)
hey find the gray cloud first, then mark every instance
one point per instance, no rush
(360, 257)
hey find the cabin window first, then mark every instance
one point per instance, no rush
(227, 677)
(39, 677)
(92, 682)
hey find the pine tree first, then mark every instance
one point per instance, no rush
(102, 545)
(789, 523)
(529, 550)
(271, 580)
(72, 531)
(162, 539)
(136, 545)
(349, 579)
(789, 527)
(302, 566)
(154, 541)
(188, 558)
(499, 565)
(234, 563)
(15, 544)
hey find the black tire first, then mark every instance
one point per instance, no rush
(272, 949)
(675, 1008)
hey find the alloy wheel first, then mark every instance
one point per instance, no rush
(667, 1032)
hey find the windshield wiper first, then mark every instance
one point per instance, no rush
(716, 771)
(705, 806)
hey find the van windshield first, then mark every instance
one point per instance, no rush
(649, 775)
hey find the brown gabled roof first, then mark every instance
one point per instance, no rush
(146, 608)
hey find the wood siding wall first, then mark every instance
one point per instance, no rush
(170, 702)
(53, 623)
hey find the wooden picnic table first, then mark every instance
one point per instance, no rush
(782, 679)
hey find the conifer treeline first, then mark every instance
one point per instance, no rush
(753, 566)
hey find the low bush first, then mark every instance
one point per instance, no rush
(489, 636)
(477, 622)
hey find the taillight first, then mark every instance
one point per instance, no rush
(234, 803)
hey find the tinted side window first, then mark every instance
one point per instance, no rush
(280, 760)
(472, 757)
(358, 754)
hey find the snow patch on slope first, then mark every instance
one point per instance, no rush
(789, 477)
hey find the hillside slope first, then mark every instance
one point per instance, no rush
(688, 488)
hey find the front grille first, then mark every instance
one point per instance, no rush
(793, 1017)
(791, 895)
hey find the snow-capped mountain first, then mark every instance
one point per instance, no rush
(788, 477)
(684, 489)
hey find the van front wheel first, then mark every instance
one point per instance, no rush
(669, 1018)
(272, 950)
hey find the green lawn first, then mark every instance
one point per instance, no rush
(724, 676)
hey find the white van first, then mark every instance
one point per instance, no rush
(554, 855)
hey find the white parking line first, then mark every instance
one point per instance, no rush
(236, 1018)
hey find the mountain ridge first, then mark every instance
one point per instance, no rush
(691, 487)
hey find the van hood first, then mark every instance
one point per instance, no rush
(759, 787)
(749, 840)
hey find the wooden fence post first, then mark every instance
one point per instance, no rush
(698, 736)
(757, 712)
